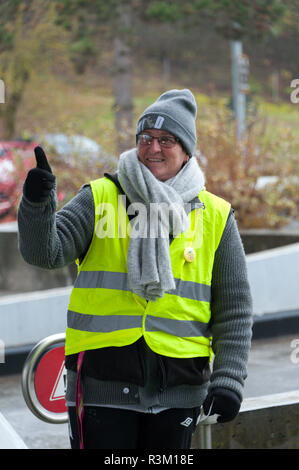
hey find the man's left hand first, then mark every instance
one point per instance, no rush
(226, 404)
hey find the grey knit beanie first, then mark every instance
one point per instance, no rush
(174, 111)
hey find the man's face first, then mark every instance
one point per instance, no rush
(163, 162)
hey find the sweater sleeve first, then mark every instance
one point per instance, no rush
(50, 239)
(231, 316)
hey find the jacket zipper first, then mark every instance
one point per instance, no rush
(141, 359)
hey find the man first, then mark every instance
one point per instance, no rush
(156, 296)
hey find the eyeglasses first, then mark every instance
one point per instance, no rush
(164, 141)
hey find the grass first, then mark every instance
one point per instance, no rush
(73, 106)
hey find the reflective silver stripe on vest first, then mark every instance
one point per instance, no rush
(192, 290)
(102, 279)
(181, 328)
(119, 281)
(102, 323)
(109, 323)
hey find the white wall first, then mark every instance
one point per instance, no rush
(27, 318)
(274, 279)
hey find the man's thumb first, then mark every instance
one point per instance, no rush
(41, 160)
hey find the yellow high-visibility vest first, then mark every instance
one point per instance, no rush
(103, 311)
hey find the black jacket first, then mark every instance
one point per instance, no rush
(129, 363)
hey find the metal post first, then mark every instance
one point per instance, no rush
(205, 432)
(2, 91)
(205, 436)
(239, 98)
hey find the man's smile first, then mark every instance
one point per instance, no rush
(151, 159)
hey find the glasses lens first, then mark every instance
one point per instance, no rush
(145, 139)
(167, 141)
(164, 141)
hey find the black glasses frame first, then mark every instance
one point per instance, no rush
(170, 142)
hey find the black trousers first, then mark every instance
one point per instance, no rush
(109, 428)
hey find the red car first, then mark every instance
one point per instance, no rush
(16, 158)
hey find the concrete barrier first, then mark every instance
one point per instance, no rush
(273, 276)
(18, 276)
(266, 422)
(9, 439)
(27, 318)
(255, 240)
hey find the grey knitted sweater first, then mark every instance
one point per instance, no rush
(51, 239)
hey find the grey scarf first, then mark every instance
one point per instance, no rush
(161, 212)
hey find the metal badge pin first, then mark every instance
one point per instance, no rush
(189, 254)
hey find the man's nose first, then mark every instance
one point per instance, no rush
(155, 146)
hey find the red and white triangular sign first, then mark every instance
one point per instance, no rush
(49, 380)
(58, 391)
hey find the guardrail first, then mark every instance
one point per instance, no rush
(264, 422)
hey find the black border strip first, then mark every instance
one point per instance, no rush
(275, 324)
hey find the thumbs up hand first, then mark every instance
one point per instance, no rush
(41, 160)
(40, 180)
